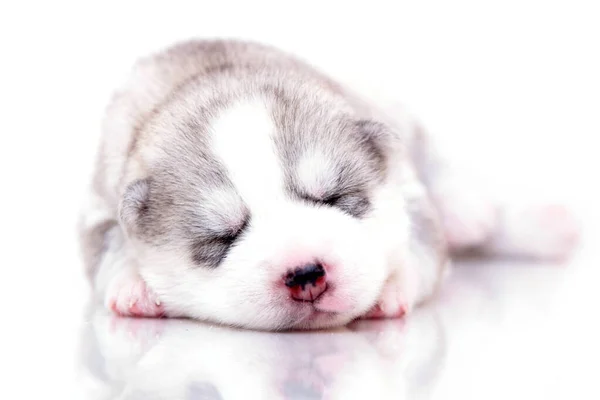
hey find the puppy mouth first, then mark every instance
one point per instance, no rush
(324, 307)
(311, 310)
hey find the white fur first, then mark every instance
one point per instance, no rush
(242, 137)
(316, 173)
(222, 208)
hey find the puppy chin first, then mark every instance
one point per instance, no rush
(322, 320)
(331, 310)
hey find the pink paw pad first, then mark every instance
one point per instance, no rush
(130, 297)
(377, 312)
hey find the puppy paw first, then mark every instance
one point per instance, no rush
(129, 296)
(540, 231)
(469, 218)
(383, 310)
(391, 304)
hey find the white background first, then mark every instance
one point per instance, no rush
(512, 88)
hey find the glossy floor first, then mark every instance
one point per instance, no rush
(498, 330)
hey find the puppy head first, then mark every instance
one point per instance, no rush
(265, 212)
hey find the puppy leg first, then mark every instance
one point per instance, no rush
(475, 220)
(393, 303)
(112, 270)
(418, 271)
(128, 295)
(539, 231)
(469, 216)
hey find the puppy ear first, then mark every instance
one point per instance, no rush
(378, 138)
(134, 204)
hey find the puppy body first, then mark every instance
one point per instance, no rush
(226, 166)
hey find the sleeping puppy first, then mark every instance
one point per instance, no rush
(238, 185)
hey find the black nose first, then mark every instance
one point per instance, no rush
(304, 275)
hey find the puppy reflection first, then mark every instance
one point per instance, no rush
(181, 359)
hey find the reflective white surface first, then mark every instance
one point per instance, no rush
(497, 330)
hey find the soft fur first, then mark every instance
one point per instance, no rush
(224, 165)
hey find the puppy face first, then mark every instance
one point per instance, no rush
(265, 212)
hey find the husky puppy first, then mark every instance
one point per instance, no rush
(238, 185)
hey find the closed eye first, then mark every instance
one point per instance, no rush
(331, 200)
(233, 235)
(355, 204)
(211, 251)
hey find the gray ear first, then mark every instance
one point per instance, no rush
(134, 204)
(377, 137)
